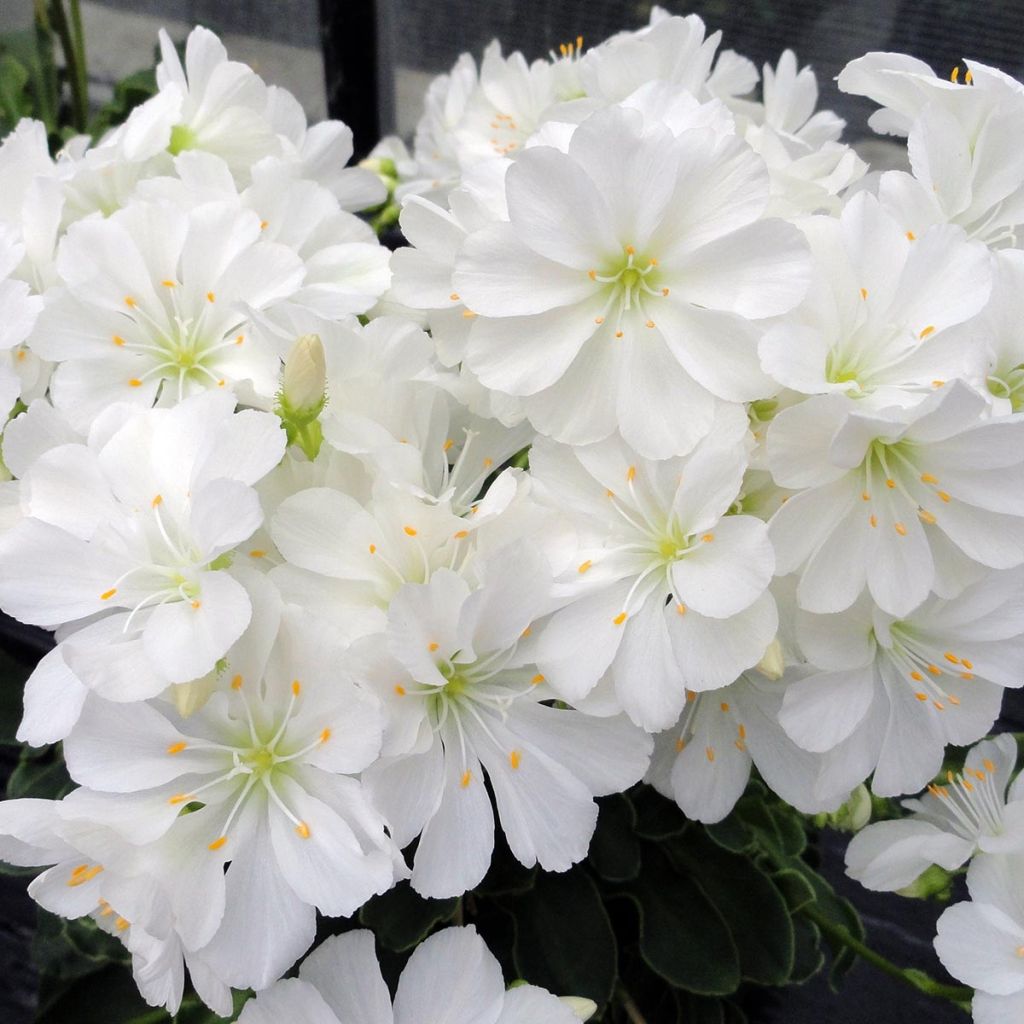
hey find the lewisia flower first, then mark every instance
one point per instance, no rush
(259, 781)
(963, 814)
(451, 976)
(157, 305)
(880, 320)
(136, 532)
(905, 687)
(899, 501)
(628, 282)
(20, 310)
(667, 592)
(981, 942)
(464, 700)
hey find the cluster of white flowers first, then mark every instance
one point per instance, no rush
(265, 484)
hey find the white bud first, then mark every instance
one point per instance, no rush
(583, 1008)
(305, 377)
(773, 661)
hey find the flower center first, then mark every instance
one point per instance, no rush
(627, 287)
(182, 138)
(1009, 385)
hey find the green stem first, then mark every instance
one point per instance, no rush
(46, 85)
(909, 976)
(75, 69)
(82, 64)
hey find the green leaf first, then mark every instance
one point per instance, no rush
(683, 937)
(702, 1010)
(753, 909)
(15, 102)
(614, 850)
(731, 834)
(39, 774)
(808, 958)
(108, 996)
(66, 950)
(400, 918)
(789, 824)
(564, 940)
(795, 889)
(656, 817)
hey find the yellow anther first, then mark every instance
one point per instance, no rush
(680, 745)
(938, 706)
(210, 297)
(447, 446)
(863, 293)
(400, 689)
(630, 250)
(620, 618)
(864, 496)
(890, 483)
(938, 383)
(900, 529)
(177, 748)
(873, 520)
(928, 517)
(537, 679)
(951, 658)
(325, 735)
(966, 663)
(488, 463)
(130, 302)
(954, 75)
(134, 382)
(742, 731)
(989, 765)
(724, 706)
(944, 495)
(460, 534)
(934, 670)
(468, 314)
(969, 76)
(921, 696)
(302, 829)
(664, 291)
(739, 745)
(709, 752)
(649, 323)
(916, 676)
(467, 778)
(169, 284)
(584, 566)
(969, 786)
(240, 339)
(618, 334)
(691, 696)
(707, 537)
(122, 923)
(264, 224)
(526, 632)
(236, 682)
(108, 594)
(911, 236)
(218, 843)
(652, 262)
(952, 700)
(599, 320)
(930, 329)
(196, 605)
(118, 340)
(178, 798)
(928, 478)
(372, 549)
(411, 531)
(514, 758)
(592, 274)
(967, 675)
(631, 474)
(296, 687)
(432, 646)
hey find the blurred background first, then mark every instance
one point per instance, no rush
(368, 62)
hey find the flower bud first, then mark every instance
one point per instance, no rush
(304, 383)
(583, 1008)
(773, 661)
(933, 883)
(852, 816)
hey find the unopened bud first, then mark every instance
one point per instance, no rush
(304, 383)
(190, 697)
(583, 1008)
(933, 883)
(773, 661)
(304, 393)
(854, 814)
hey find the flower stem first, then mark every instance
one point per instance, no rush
(629, 1007)
(908, 975)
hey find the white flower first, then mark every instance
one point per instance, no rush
(667, 592)
(898, 501)
(981, 942)
(465, 702)
(157, 305)
(18, 312)
(628, 282)
(451, 976)
(703, 761)
(907, 687)
(997, 330)
(972, 811)
(258, 781)
(144, 523)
